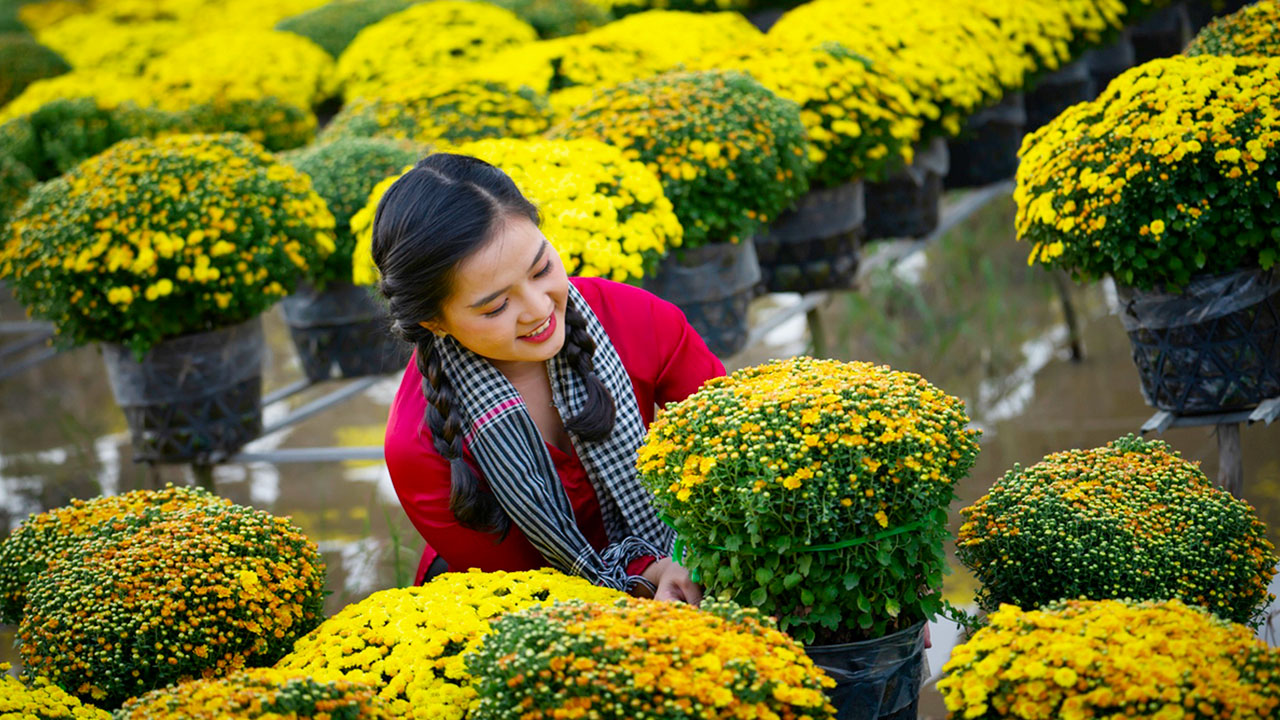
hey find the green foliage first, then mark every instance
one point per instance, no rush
(16, 180)
(271, 122)
(1253, 30)
(1131, 520)
(23, 61)
(335, 25)
(344, 172)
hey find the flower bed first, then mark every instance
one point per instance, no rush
(154, 239)
(641, 658)
(409, 643)
(1111, 658)
(203, 591)
(1129, 520)
(816, 490)
(260, 693)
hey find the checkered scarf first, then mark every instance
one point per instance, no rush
(515, 461)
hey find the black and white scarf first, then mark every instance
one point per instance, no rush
(510, 451)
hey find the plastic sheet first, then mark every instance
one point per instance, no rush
(1214, 347)
(713, 285)
(878, 678)
(342, 327)
(1058, 91)
(186, 367)
(816, 245)
(987, 151)
(822, 213)
(1164, 34)
(932, 159)
(337, 304)
(1106, 63)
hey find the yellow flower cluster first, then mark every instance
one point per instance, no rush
(1252, 31)
(1081, 514)
(238, 65)
(46, 537)
(779, 458)
(43, 701)
(451, 110)
(859, 122)
(630, 6)
(93, 42)
(730, 154)
(952, 59)
(1111, 658)
(155, 239)
(259, 694)
(409, 642)
(644, 659)
(606, 215)
(425, 40)
(108, 88)
(1146, 181)
(202, 592)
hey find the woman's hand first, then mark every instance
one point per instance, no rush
(673, 582)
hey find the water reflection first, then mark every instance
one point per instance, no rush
(967, 314)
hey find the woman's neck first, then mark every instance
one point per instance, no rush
(519, 372)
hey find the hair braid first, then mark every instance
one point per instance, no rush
(596, 420)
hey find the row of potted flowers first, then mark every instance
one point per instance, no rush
(812, 493)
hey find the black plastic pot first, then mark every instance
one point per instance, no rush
(713, 285)
(1164, 34)
(878, 678)
(907, 203)
(1058, 91)
(987, 149)
(196, 398)
(816, 245)
(342, 331)
(1202, 12)
(1214, 347)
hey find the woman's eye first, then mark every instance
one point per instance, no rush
(499, 309)
(545, 269)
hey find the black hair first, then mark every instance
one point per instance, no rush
(430, 220)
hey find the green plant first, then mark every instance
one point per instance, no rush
(201, 591)
(259, 693)
(815, 490)
(271, 122)
(1129, 520)
(1173, 171)
(558, 18)
(334, 25)
(1252, 30)
(154, 239)
(641, 658)
(23, 61)
(731, 155)
(344, 172)
(60, 134)
(16, 180)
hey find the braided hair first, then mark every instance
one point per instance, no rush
(429, 221)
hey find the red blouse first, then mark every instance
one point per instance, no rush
(666, 360)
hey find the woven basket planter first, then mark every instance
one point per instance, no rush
(342, 332)
(987, 150)
(1213, 347)
(1164, 34)
(196, 398)
(907, 204)
(1106, 63)
(875, 679)
(816, 245)
(1058, 91)
(713, 285)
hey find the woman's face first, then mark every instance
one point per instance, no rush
(509, 297)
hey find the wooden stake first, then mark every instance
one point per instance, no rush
(1230, 459)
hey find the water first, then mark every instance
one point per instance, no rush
(967, 314)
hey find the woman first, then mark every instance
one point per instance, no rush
(511, 442)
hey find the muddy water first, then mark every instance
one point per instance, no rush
(967, 314)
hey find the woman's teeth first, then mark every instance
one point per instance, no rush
(540, 329)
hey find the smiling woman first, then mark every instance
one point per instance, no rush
(511, 441)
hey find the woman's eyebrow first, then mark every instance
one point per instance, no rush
(542, 250)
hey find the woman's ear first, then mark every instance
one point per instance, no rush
(434, 327)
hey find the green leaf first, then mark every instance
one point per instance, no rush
(851, 581)
(1267, 258)
(883, 557)
(792, 580)
(892, 607)
(1201, 259)
(759, 596)
(763, 575)
(806, 561)
(806, 596)
(863, 603)
(733, 542)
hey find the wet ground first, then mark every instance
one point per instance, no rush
(967, 314)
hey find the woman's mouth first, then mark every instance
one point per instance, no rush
(543, 332)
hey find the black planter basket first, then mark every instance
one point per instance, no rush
(713, 285)
(1164, 34)
(1058, 91)
(1214, 347)
(815, 246)
(987, 150)
(1106, 63)
(875, 679)
(342, 331)
(196, 398)
(907, 204)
